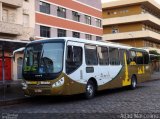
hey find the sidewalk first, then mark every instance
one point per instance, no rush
(11, 93)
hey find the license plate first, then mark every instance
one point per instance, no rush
(37, 90)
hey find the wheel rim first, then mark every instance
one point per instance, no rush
(90, 90)
(134, 83)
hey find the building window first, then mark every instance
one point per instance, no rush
(61, 33)
(26, 20)
(75, 16)
(88, 37)
(5, 15)
(98, 38)
(61, 12)
(44, 31)
(87, 19)
(98, 23)
(115, 29)
(45, 7)
(76, 34)
(108, 13)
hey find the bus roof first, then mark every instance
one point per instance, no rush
(107, 43)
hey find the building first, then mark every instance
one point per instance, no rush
(17, 19)
(17, 23)
(132, 22)
(69, 18)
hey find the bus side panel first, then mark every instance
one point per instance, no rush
(73, 87)
(116, 82)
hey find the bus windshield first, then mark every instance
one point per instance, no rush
(44, 58)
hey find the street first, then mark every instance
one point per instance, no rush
(145, 99)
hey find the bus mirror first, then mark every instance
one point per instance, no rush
(16, 51)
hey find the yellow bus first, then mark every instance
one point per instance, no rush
(67, 66)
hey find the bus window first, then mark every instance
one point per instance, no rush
(91, 55)
(74, 58)
(114, 56)
(103, 55)
(121, 56)
(139, 56)
(132, 57)
(146, 58)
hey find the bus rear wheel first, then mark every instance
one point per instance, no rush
(90, 90)
(133, 83)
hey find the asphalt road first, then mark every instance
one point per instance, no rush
(143, 102)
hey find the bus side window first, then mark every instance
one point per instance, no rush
(121, 56)
(132, 56)
(91, 55)
(139, 56)
(74, 58)
(146, 58)
(114, 56)
(103, 55)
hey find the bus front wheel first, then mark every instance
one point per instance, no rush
(90, 89)
(133, 83)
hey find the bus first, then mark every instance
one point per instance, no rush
(67, 66)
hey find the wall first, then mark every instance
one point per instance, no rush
(28, 9)
(54, 22)
(123, 28)
(132, 42)
(13, 18)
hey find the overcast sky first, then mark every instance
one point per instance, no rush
(114, 0)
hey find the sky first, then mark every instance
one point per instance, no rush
(115, 0)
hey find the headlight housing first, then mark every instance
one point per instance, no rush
(58, 83)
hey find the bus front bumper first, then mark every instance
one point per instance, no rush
(43, 91)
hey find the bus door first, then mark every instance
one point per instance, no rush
(74, 61)
(7, 66)
(91, 63)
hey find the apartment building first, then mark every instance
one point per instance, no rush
(69, 18)
(132, 22)
(17, 22)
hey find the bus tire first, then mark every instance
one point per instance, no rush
(133, 83)
(90, 89)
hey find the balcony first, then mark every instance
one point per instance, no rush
(131, 19)
(132, 35)
(13, 3)
(10, 28)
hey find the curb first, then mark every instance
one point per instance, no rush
(14, 101)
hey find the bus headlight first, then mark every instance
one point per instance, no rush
(58, 83)
(24, 84)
